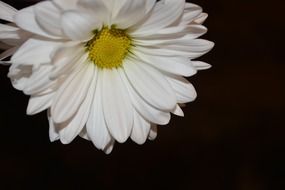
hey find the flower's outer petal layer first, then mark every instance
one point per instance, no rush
(72, 94)
(71, 128)
(79, 26)
(174, 65)
(152, 133)
(66, 5)
(103, 9)
(164, 14)
(134, 9)
(143, 108)
(178, 111)
(140, 130)
(200, 65)
(26, 20)
(191, 12)
(38, 104)
(96, 125)
(150, 84)
(117, 108)
(7, 12)
(34, 52)
(201, 18)
(48, 17)
(185, 92)
(53, 132)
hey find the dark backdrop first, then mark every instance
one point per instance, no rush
(232, 137)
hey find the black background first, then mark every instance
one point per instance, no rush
(232, 136)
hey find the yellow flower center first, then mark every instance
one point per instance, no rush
(109, 47)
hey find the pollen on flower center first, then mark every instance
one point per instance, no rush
(109, 47)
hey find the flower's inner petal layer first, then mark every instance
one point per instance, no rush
(109, 47)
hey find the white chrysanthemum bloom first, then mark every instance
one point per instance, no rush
(11, 37)
(108, 70)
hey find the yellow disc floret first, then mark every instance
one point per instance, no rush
(109, 47)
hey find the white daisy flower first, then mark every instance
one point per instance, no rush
(108, 70)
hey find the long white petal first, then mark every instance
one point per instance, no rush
(140, 130)
(34, 52)
(185, 91)
(175, 65)
(165, 13)
(53, 132)
(79, 26)
(48, 16)
(96, 125)
(150, 84)
(78, 121)
(7, 12)
(72, 94)
(38, 104)
(153, 133)
(147, 111)
(117, 108)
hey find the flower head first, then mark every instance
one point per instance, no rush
(108, 70)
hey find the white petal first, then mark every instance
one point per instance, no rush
(109, 147)
(140, 130)
(199, 65)
(190, 48)
(103, 9)
(78, 121)
(117, 108)
(201, 18)
(153, 133)
(79, 26)
(66, 58)
(165, 13)
(126, 9)
(53, 132)
(20, 76)
(72, 93)
(48, 15)
(150, 84)
(191, 12)
(38, 104)
(8, 53)
(25, 19)
(148, 112)
(178, 111)
(185, 92)
(96, 126)
(66, 5)
(39, 80)
(34, 52)
(7, 12)
(83, 134)
(175, 65)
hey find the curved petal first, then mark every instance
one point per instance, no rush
(96, 126)
(199, 65)
(74, 126)
(140, 130)
(150, 84)
(72, 93)
(34, 52)
(117, 108)
(178, 111)
(126, 9)
(152, 133)
(174, 65)
(66, 5)
(79, 26)
(191, 12)
(148, 112)
(53, 132)
(185, 92)
(48, 15)
(26, 19)
(103, 9)
(7, 12)
(164, 14)
(38, 104)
